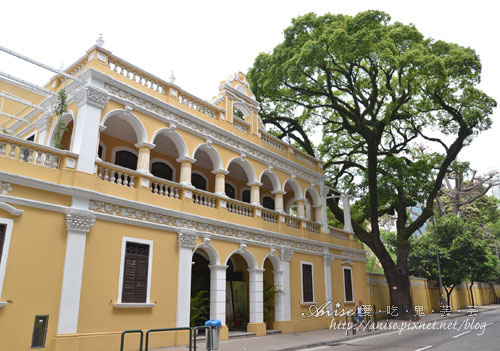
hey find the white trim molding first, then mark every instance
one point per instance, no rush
(302, 302)
(352, 285)
(10, 209)
(119, 303)
(5, 251)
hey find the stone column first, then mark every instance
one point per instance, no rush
(256, 295)
(185, 177)
(255, 193)
(144, 156)
(220, 181)
(300, 208)
(78, 223)
(327, 262)
(317, 214)
(186, 240)
(278, 199)
(324, 218)
(347, 213)
(43, 125)
(218, 292)
(286, 256)
(90, 101)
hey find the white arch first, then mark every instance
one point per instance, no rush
(249, 258)
(135, 123)
(178, 141)
(66, 118)
(297, 190)
(275, 260)
(314, 195)
(212, 153)
(247, 167)
(211, 251)
(273, 177)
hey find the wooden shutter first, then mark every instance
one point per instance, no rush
(135, 273)
(3, 229)
(307, 283)
(348, 285)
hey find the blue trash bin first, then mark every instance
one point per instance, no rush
(215, 327)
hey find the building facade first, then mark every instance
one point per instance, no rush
(116, 213)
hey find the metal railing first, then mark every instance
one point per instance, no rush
(132, 331)
(193, 333)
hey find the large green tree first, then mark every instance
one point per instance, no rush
(377, 89)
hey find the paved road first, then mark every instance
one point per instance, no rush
(464, 333)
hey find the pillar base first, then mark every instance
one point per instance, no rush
(286, 327)
(258, 328)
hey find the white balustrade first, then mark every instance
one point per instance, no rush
(116, 174)
(240, 208)
(312, 226)
(165, 189)
(137, 76)
(30, 152)
(269, 216)
(292, 221)
(195, 105)
(335, 232)
(273, 141)
(204, 199)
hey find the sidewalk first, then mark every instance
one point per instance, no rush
(310, 339)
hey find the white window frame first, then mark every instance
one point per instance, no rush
(302, 302)
(5, 253)
(162, 160)
(270, 196)
(241, 193)
(123, 148)
(234, 186)
(119, 303)
(352, 285)
(204, 177)
(101, 144)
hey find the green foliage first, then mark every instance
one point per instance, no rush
(199, 308)
(58, 134)
(270, 292)
(464, 254)
(61, 106)
(375, 88)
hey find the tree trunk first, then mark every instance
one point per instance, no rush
(472, 293)
(398, 282)
(448, 294)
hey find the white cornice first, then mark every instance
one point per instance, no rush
(97, 196)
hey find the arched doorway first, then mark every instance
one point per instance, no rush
(237, 293)
(200, 288)
(274, 293)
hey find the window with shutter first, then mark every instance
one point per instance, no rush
(307, 283)
(135, 273)
(348, 285)
(3, 229)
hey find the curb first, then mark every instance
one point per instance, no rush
(341, 340)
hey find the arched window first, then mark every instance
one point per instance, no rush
(198, 181)
(126, 159)
(245, 196)
(230, 191)
(268, 202)
(162, 170)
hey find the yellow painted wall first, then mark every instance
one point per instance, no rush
(33, 276)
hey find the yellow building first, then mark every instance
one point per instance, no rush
(115, 213)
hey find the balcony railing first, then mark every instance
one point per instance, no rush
(164, 187)
(115, 174)
(239, 207)
(270, 215)
(312, 226)
(292, 221)
(204, 198)
(337, 233)
(30, 152)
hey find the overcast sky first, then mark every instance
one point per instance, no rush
(203, 42)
